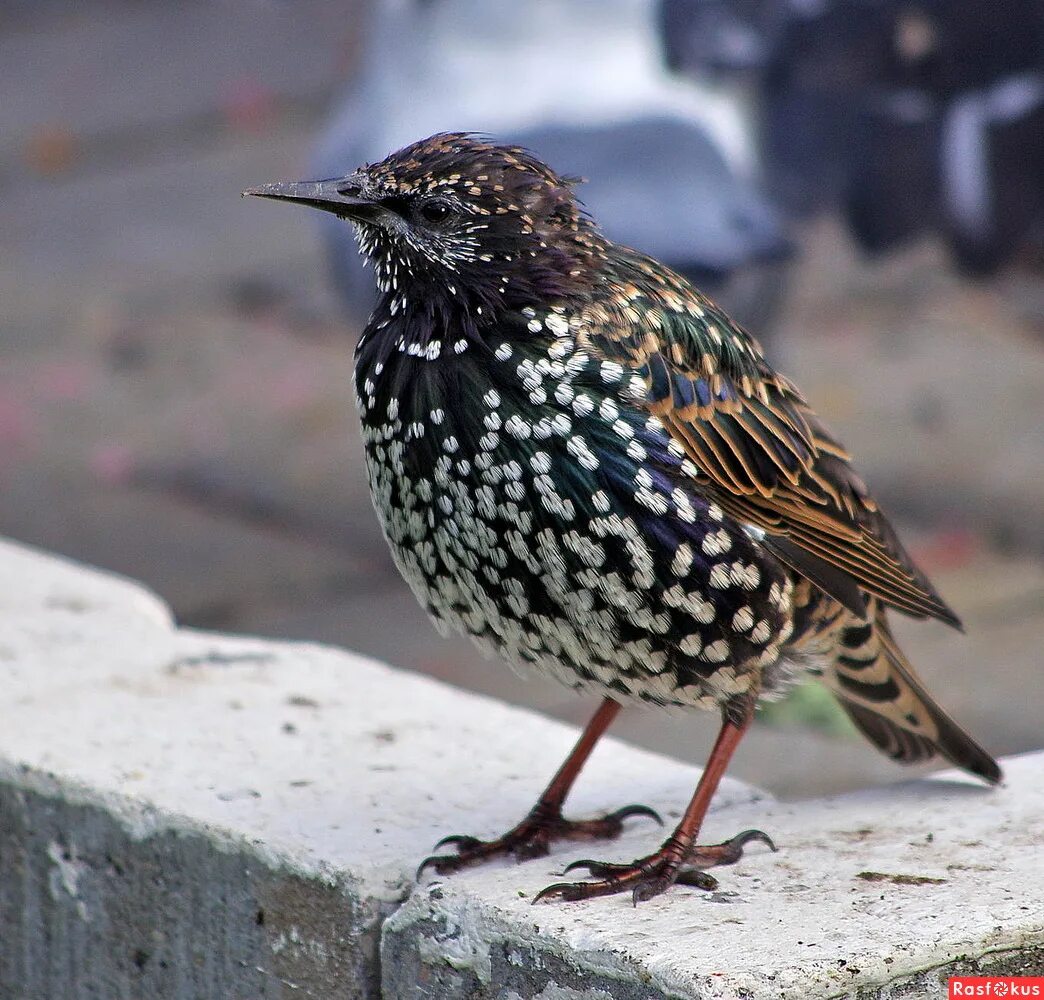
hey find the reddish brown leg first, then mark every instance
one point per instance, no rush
(533, 836)
(679, 859)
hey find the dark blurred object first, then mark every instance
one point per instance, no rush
(912, 117)
(958, 124)
(583, 85)
(718, 36)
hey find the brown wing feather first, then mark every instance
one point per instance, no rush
(887, 701)
(760, 450)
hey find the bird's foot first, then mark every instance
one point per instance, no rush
(532, 838)
(649, 876)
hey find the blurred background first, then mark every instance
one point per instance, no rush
(860, 181)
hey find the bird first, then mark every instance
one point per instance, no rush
(582, 463)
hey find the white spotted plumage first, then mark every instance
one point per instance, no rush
(488, 530)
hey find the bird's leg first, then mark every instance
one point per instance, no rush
(533, 836)
(679, 859)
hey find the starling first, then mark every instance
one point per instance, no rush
(582, 463)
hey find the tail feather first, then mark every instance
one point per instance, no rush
(884, 697)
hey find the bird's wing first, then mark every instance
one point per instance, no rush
(759, 450)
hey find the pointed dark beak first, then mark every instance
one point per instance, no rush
(338, 196)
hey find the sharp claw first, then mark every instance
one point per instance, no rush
(584, 863)
(646, 890)
(599, 869)
(637, 810)
(747, 836)
(461, 841)
(728, 852)
(433, 859)
(558, 889)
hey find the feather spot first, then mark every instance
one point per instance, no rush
(518, 428)
(716, 652)
(682, 562)
(716, 542)
(691, 645)
(719, 576)
(762, 632)
(541, 462)
(743, 620)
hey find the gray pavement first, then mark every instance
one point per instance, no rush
(175, 394)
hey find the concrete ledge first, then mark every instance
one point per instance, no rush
(185, 815)
(870, 894)
(191, 815)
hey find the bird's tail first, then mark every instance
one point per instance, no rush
(889, 704)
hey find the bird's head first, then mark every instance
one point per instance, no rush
(462, 221)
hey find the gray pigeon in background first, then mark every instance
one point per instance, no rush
(585, 86)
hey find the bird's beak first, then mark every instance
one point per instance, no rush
(341, 197)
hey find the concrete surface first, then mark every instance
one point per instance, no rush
(190, 815)
(872, 894)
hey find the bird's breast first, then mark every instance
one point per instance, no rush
(532, 502)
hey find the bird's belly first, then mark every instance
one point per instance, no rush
(599, 606)
(550, 521)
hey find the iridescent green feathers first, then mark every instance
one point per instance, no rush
(759, 449)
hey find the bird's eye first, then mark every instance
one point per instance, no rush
(435, 211)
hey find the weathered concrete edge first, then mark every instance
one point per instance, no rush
(198, 909)
(322, 932)
(1024, 959)
(458, 953)
(469, 946)
(141, 820)
(421, 944)
(149, 899)
(461, 953)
